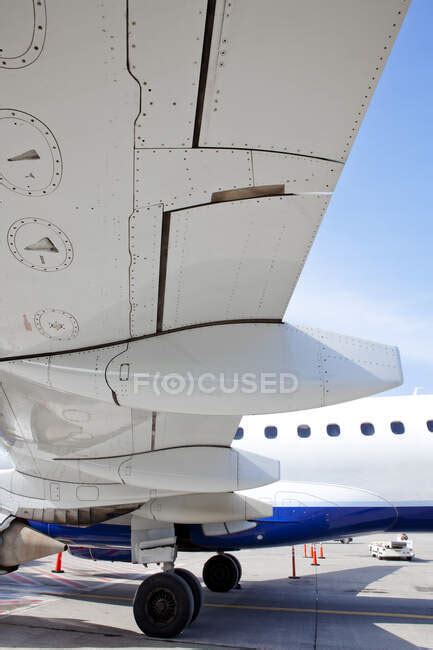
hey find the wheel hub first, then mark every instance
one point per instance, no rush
(161, 606)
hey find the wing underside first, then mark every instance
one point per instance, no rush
(163, 166)
(174, 168)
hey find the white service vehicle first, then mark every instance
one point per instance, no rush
(400, 549)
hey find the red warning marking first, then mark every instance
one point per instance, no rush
(27, 323)
(8, 605)
(20, 577)
(61, 578)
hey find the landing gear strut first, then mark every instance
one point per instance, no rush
(222, 572)
(165, 603)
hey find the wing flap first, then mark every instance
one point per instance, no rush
(237, 259)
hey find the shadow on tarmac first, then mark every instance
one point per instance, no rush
(258, 616)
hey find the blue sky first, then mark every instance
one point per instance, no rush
(369, 273)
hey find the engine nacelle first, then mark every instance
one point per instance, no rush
(20, 544)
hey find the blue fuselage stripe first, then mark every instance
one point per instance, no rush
(288, 525)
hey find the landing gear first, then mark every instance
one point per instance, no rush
(221, 572)
(164, 605)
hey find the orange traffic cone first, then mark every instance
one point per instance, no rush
(58, 567)
(321, 553)
(314, 562)
(311, 550)
(305, 550)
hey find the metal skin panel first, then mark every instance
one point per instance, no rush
(295, 76)
(300, 174)
(61, 165)
(144, 247)
(179, 178)
(165, 47)
(227, 261)
(27, 495)
(182, 429)
(229, 369)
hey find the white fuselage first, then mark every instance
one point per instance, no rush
(396, 467)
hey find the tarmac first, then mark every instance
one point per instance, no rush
(351, 601)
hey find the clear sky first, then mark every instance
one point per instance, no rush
(369, 273)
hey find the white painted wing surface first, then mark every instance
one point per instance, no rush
(149, 151)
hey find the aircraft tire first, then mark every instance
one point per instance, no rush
(221, 573)
(196, 588)
(163, 605)
(238, 564)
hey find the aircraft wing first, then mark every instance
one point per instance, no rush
(167, 164)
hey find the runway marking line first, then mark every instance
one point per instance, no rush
(311, 610)
(294, 610)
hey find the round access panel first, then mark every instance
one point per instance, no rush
(22, 32)
(30, 160)
(40, 244)
(56, 324)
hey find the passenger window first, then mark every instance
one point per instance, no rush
(333, 430)
(271, 432)
(397, 427)
(430, 425)
(239, 434)
(367, 429)
(304, 431)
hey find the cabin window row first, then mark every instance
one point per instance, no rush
(333, 430)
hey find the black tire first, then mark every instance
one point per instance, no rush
(238, 564)
(195, 586)
(163, 605)
(220, 573)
